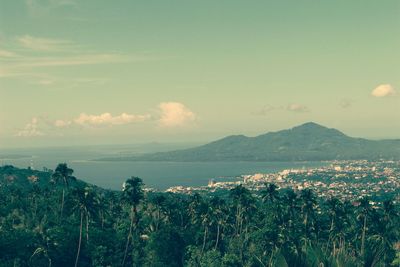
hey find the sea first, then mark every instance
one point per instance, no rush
(157, 175)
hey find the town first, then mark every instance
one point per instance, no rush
(345, 180)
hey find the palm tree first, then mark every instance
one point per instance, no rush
(365, 210)
(389, 210)
(271, 193)
(102, 209)
(205, 217)
(291, 204)
(132, 195)
(86, 203)
(200, 214)
(63, 174)
(270, 197)
(218, 216)
(387, 229)
(242, 201)
(335, 207)
(157, 206)
(196, 203)
(309, 204)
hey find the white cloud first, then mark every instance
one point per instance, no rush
(175, 114)
(6, 53)
(383, 90)
(31, 56)
(86, 59)
(27, 65)
(294, 107)
(62, 123)
(171, 114)
(45, 82)
(31, 129)
(106, 119)
(43, 44)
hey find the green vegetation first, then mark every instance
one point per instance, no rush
(52, 219)
(307, 142)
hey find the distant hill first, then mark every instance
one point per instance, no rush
(307, 142)
(26, 179)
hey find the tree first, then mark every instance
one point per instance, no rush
(243, 202)
(205, 218)
(388, 228)
(132, 195)
(335, 211)
(156, 209)
(218, 216)
(270, 194)
(86, 204)
(222, 228)
(63, 175)
(309, 204)
(245, 205)
(364, 211)
(165, 248)
(200, 214)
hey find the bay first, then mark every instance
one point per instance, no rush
(158, 175)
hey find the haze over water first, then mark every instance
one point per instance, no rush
(159, 175)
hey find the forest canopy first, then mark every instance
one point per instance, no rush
(50, 218)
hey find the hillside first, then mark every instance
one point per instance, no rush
(134, 227)
(309, 141)
(26, 180)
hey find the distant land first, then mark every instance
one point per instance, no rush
(307, 142)
(12, 156)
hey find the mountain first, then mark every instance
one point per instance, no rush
(307, 142)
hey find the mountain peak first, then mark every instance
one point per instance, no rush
(310, 125)
(314, 130)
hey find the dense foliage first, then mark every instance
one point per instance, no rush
(52, 219)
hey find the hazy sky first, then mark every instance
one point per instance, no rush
(101, 71)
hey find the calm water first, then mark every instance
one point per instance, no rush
(160, 175)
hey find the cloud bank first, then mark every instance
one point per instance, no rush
(169, 114)
(30, 56)
(43, 44)
(31, 129)
(106, 119)
(295, 107)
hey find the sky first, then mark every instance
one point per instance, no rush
(112, 72)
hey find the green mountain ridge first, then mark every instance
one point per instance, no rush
(306, 142)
